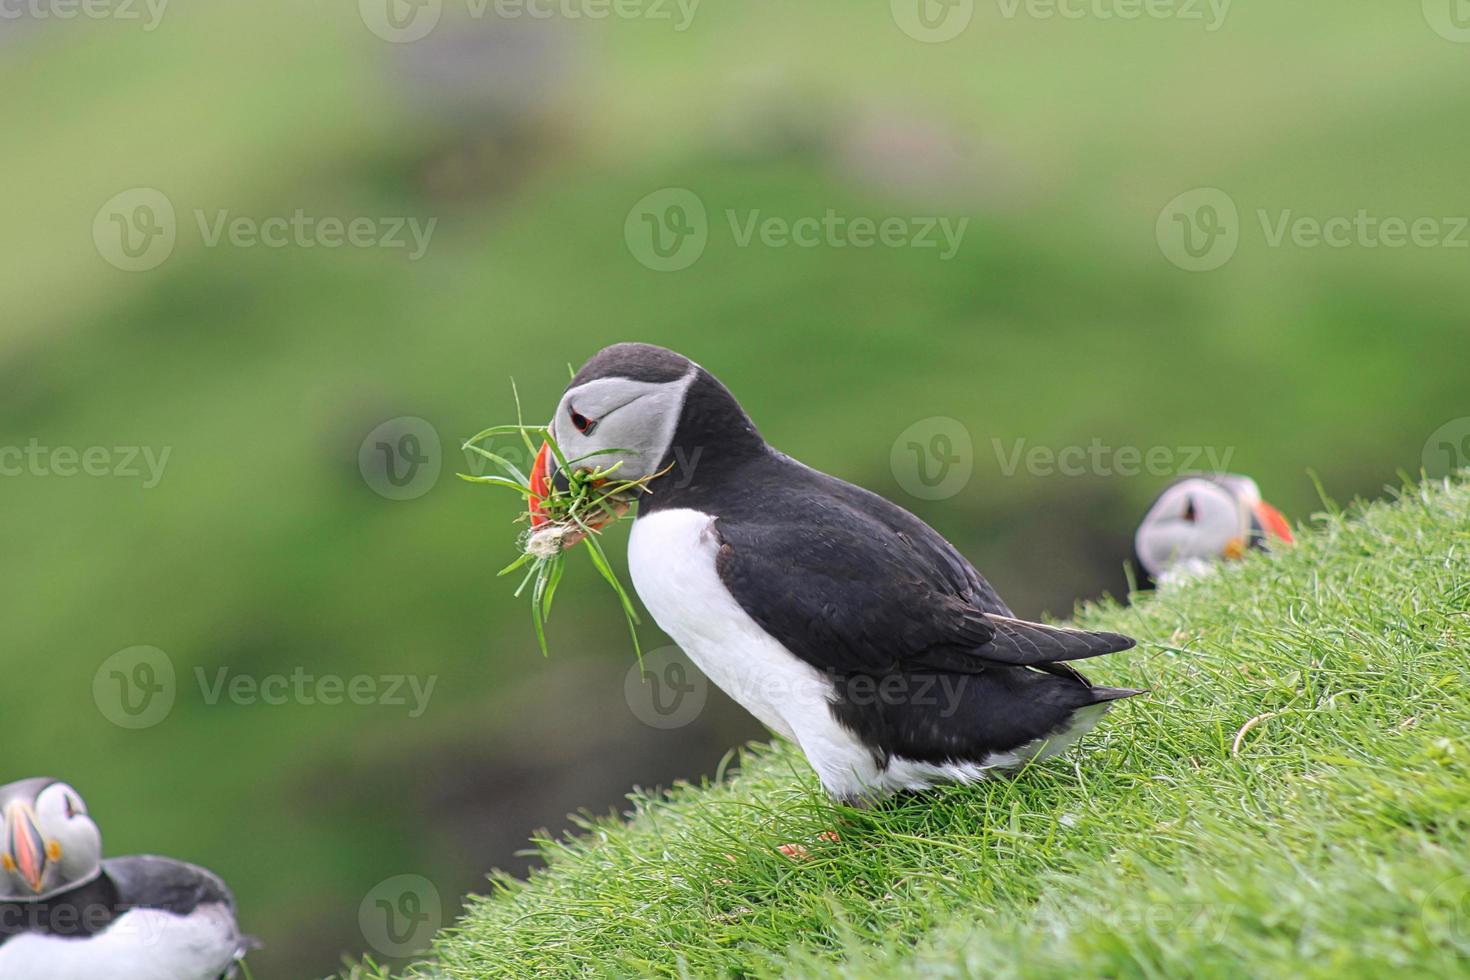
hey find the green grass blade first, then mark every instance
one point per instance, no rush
(599, 559)
(509, 428)
(496, 481)
(525, 557)
(529, 575)
(502, 462)
(521, 420)
(559, 566)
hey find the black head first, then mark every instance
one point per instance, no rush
(651, 409)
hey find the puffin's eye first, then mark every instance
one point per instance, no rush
(1190, 514)
(583, 423)
(72, 806)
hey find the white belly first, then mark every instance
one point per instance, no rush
(143, 944)
(671, 556)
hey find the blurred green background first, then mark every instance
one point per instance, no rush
(266, 547)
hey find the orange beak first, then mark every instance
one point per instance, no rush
(25, 852)
(540, 485)
(1274, 522)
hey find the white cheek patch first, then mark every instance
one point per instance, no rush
(1165, 538)
(637, 416)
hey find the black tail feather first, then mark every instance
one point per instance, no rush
(1027, 644)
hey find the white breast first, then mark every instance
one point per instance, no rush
(671, 556)
(143, 944)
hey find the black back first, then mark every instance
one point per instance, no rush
(125, 883)
(845, 579)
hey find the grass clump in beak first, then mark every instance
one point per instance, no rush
(560, 516)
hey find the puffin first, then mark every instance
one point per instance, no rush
(67, 914)
(1199, 520)
(841, 621)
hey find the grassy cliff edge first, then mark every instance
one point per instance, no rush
(1291, 799)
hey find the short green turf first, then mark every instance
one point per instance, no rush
(1291, 799)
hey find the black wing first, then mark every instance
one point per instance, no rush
(850, 582)
(151, 882)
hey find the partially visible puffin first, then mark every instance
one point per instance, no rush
(1200, 519)
(66, 914)
(836, 617)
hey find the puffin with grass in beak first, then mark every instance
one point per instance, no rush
(66, 914)
(1201, 519)
(837, 618)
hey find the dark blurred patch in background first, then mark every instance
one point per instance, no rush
(292, 255)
